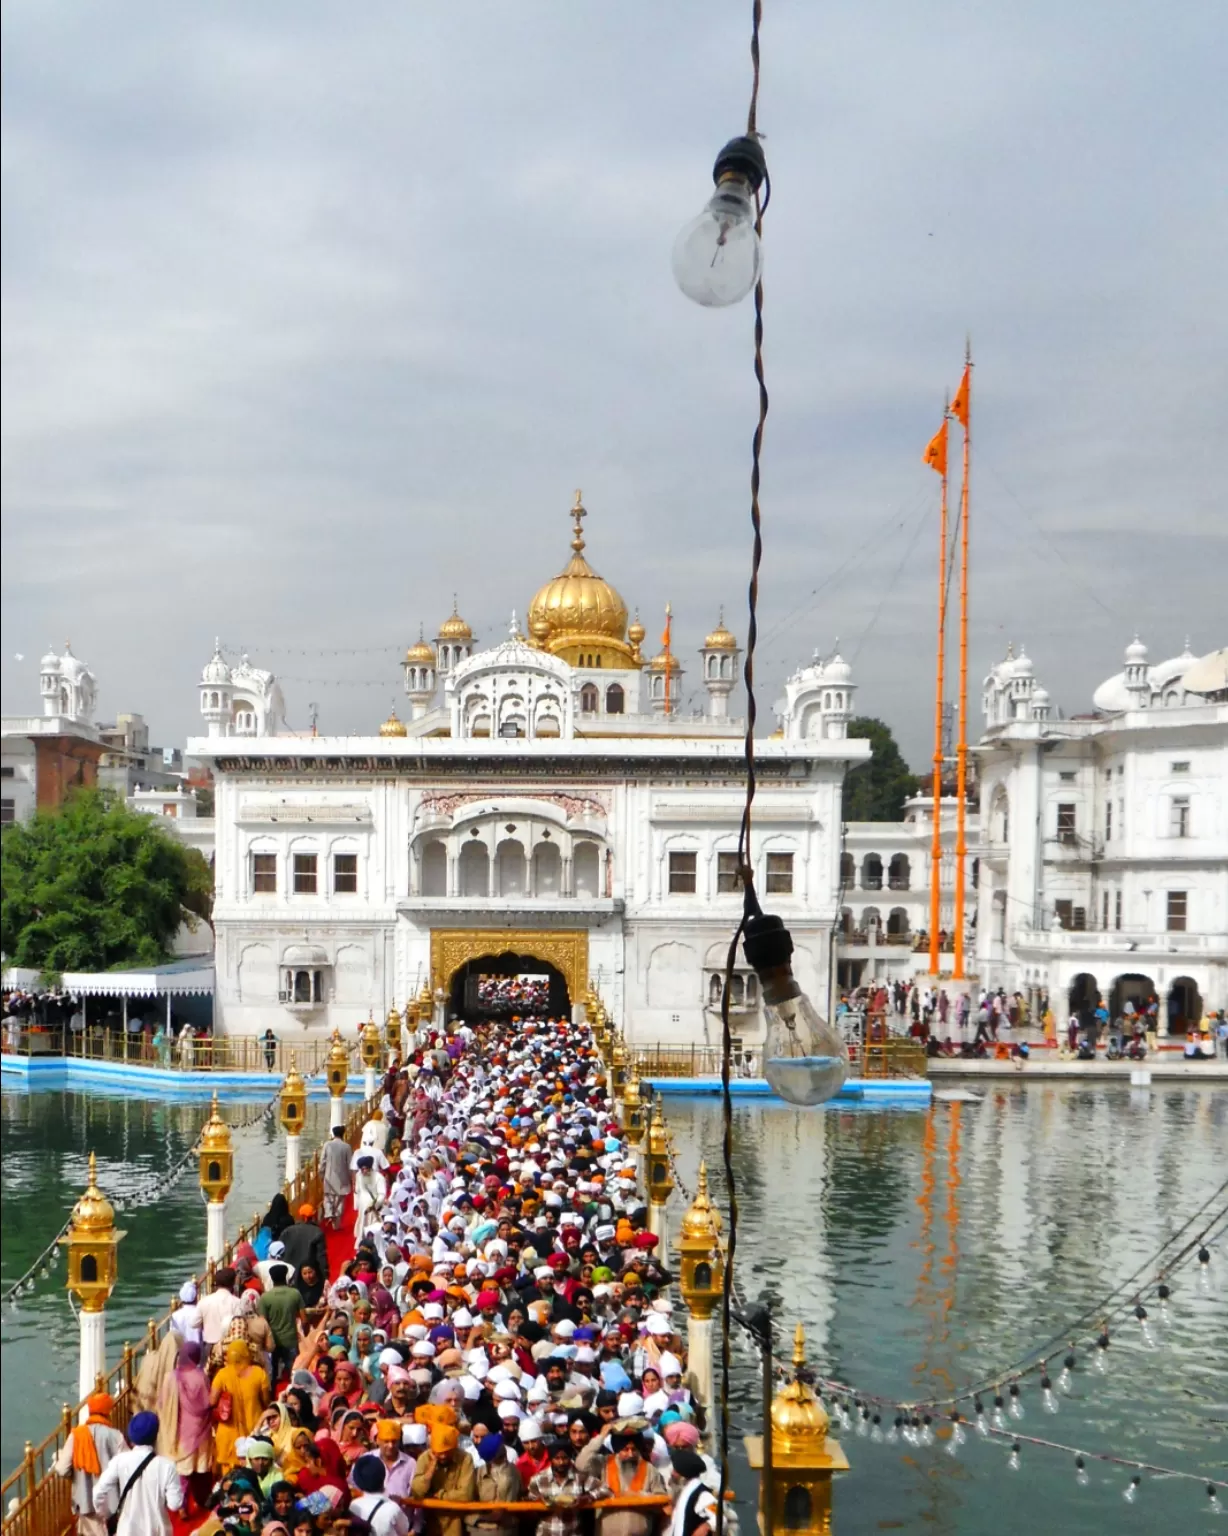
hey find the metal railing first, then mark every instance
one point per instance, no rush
(42, 1501)
(694, 1061)
(202, 1053)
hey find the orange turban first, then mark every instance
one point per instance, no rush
(388, 1429)
(444, 1438)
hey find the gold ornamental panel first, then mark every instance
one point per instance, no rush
(566, 950)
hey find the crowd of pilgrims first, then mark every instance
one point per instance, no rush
(503, 1333)
(520, 995)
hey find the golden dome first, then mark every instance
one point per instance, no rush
(93, 1212)
(578, 602)
(720, 639)
(659, 663)
(636, 631)
(455, 628)
(702, 1220)
(393, 727)
(422, 652)
(799, 1420)
(215, 1134)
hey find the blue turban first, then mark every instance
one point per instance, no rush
(490, 1446)
(368, 1474)
(143, 1429)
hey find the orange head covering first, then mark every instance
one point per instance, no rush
(444, 1438)
(388, 1429)
(306, 1212)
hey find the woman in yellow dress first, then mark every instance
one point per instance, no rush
(245, 1387)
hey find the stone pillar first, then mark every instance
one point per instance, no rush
(699, 1356)
(293, 1157)
(336, 1112)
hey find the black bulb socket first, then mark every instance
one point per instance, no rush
(741, 157)
(1164, 1293)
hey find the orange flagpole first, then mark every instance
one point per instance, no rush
(668, 654)
(961, 751)
(938, 460)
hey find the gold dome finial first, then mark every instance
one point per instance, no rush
(454, 627)
(702, 1219)
(421, 653)
(799, 1347)
(636, 632)
(578, 514)
(215, 1134)
(93, 1212)
(799, 1420)
(720, 639)
(393, 726)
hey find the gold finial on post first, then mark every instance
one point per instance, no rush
(578, 514)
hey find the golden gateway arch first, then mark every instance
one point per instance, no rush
(565, 949)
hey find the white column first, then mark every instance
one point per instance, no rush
(656, 1221)
(699, 1356)
(215, 1231)
(370, 1081)
(336, 1113)
(293, 1144)
(93, 1352)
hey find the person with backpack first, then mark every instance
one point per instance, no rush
(139, 1488)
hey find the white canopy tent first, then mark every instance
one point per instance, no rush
(177, 978)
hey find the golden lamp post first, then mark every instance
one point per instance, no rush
(337, 1071)
(93, 1268)
(370, 1048)
(796, 1458)
(660, 1179)
(701, 1279)
(293, 1114)
(217, 1169)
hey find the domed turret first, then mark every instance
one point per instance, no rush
(799, 1420)
(93, 1212)
(719, 654)
(578, 615)
(453, 643)
(215, 669)
(419, 665)
(393, 726)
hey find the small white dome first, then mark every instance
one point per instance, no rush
(1040, 695)
(1136, 651)
(1023, 665)
(215, 671)
(837, 670)
(50, 662)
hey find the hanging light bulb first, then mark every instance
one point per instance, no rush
(893, 1432)
(1013, 1460)
(876, 1432)
(863, 1423)
(1213, 1502)
(1081, 1474)
(804, 1058)
(927, 1430)
(1102, 1352)
(1131, 1493)
(1015, 1407)
(1149, 1337)
(1164, 1293)
(1048, 1400)
(999, 1415)
(981, 1427)
(717, 256)
(957, 1436)
(1066, 1381)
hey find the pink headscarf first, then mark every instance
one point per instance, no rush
(681, 1434)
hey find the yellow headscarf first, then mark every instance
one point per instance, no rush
(238, 1354)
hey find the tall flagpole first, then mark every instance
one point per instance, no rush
(936, 838)
(666, 637)
(961, 751)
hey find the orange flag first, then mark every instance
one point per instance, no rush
(665, 633)
(963, 395)
(936, 453)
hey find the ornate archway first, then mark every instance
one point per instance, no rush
(565, 949)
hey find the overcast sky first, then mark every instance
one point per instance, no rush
(313, 314)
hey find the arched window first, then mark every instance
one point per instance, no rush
(547, 870)
(899, 872)
(588, 699)
(897, 922)
(871, 873)
(511, 867)
(615, 699)
(848, 872)
(474, 869)
(797, 1508)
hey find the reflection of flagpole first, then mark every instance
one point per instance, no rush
(963, 411)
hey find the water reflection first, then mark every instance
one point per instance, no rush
(923, 1250)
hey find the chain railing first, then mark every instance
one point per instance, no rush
(42, 1501)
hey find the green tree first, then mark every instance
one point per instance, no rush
(876, 790)
(92, 885)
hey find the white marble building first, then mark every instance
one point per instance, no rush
(549, 801)
(1103, 855)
